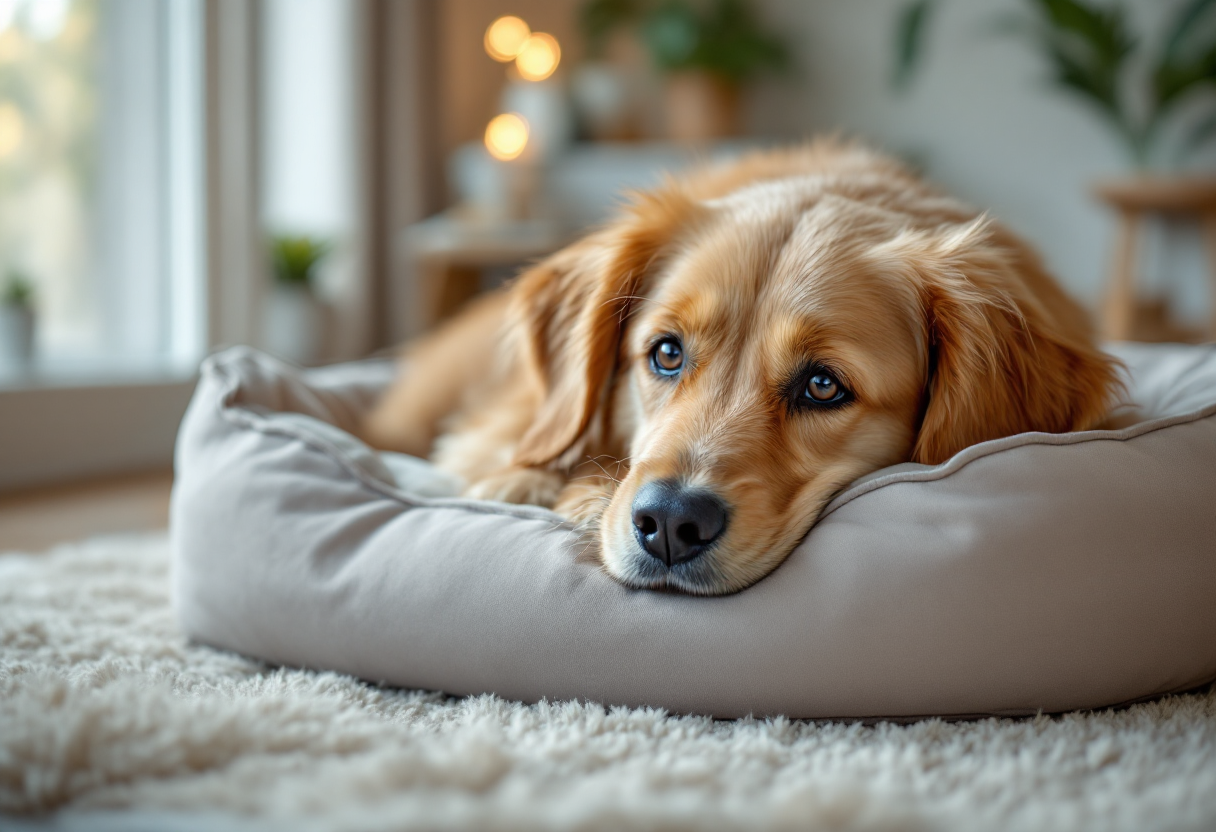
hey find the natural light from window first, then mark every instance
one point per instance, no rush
(48, 164)
(100, 179)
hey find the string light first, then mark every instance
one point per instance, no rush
(506, 37)
(539, 57)
(506, 136)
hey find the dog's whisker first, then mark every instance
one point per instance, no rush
(619, 298)
(605, 470)
(596, 462)
(617, 459)
(600, 477)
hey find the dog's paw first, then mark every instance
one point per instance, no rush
(519, 485)
(583, 502)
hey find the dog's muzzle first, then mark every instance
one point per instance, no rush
(675, 524)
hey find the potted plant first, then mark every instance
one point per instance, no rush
(1158, 103)
(17, 320)
(1094, 54)
(707, 50)
(295, 318)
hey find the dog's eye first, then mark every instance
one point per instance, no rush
(824, 388)
(667, 357)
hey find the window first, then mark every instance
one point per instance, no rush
(48, 160)
(101, 198)
(146, 149)
(100, 178)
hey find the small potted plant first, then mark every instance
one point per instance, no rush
(17, 321)
(295, 318)
(707, 49)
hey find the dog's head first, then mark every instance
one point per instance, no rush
(749, 355)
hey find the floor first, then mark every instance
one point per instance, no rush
(34, 520)
(114, 722)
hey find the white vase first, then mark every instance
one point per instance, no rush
(16, 333)
(294, 324)
(497, 190)
(545, 107)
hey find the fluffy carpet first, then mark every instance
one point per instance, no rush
(110, 719)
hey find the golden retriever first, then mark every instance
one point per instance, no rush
(694, 382)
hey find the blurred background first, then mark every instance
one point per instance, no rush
(326, 178)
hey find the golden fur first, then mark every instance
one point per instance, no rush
(943, 325)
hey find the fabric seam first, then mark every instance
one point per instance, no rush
(221, 365)
(247, 418)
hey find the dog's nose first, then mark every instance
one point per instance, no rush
(675, 524)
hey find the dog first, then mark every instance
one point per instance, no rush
(693, 382)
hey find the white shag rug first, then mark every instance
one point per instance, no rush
(109, 719)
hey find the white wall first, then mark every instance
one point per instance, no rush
(311, 143)
(984, 120)
(307, 112)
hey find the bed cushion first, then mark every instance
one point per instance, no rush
(1038, 572)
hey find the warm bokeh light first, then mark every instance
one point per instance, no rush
(539, 57)
(507, 136)
(12, 130)
(506, 37)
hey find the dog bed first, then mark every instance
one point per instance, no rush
(1038, 572)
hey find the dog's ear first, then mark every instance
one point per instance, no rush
(571, 310)
(1009, 352)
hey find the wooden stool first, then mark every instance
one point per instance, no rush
(1132, 199)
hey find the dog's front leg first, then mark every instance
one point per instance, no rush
(589, 490)
(534, 486)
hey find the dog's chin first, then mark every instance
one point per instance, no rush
(638, 570)
(682, 578)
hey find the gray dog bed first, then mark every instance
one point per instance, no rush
(1037, 572)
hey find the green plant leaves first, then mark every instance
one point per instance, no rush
(722, 38)
(1188, 30)
(909, 41)
(1189, 57)
(18, 289)
(295, 257)
(672, 31)
(1087, 47)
